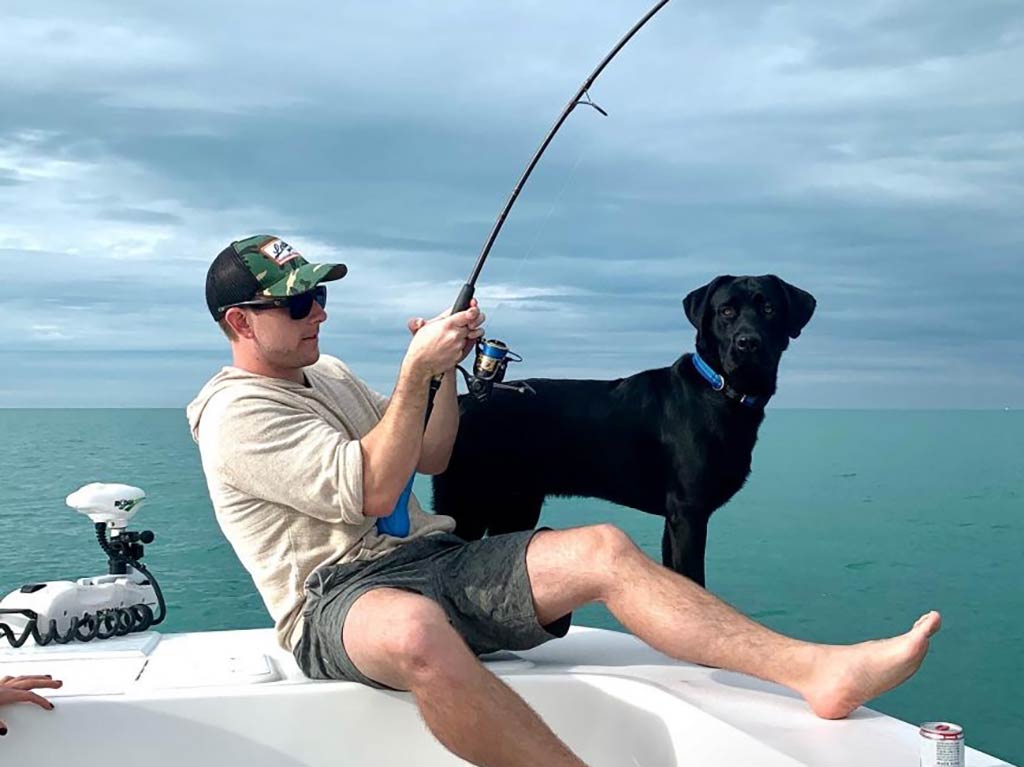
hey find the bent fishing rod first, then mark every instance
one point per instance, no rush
(493, 356)
(582, 97)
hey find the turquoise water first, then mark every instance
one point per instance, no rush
(852, 524)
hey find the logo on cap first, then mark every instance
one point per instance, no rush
(280, 251)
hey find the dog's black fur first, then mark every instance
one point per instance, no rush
(662, 441)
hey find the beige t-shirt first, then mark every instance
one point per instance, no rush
(285, 473)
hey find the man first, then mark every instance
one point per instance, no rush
(302, 460)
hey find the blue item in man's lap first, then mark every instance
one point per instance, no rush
(397, 522)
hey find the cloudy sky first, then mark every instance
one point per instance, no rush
(871, 153)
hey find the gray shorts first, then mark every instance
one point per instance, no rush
(482, 586)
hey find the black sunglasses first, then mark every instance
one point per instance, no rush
(299, 306)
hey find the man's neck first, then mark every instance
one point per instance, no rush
(260, 366)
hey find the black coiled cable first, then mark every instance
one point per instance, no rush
(103, 624)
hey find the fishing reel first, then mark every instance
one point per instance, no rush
(489, 367)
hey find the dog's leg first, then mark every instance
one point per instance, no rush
(682, 546)
(514, 512)
(457, 497)
(695, 555)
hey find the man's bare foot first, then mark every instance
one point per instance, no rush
(848, 677)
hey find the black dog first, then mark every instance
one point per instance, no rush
(673, 441)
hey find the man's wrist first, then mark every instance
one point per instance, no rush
(415, 373)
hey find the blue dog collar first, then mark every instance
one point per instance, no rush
(717, 381)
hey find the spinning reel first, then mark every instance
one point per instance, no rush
(489, 367)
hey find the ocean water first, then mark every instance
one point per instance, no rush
(852, 524)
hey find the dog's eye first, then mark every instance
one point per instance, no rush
(768, 308)
(728, 312)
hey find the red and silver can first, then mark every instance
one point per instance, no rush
(942, 745)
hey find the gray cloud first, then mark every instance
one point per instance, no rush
(140, 216)
(912, 33)
(872, 154)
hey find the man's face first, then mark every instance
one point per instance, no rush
(284, 342)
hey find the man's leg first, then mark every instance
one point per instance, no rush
(404, 640)
(570, 568)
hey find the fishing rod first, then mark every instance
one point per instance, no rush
(498, 351)
(493, 356)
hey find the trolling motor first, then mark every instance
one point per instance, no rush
(120, 602)
(492, 358)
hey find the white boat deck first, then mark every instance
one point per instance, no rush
(217, 698)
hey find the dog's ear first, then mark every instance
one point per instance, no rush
(799, 306)
(696, 303)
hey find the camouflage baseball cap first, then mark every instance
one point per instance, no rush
(262, 266)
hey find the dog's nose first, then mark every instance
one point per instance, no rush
(748, 343)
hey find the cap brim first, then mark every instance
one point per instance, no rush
(305, 278)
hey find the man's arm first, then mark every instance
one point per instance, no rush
(439, 438)
(392, 448)
(397, 446)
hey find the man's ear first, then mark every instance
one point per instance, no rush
(238, 321)
(799, 306)
(696, 303)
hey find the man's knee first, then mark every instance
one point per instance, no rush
(419, 641)
(593, 551)
(571, 568)
(600, 552)
(424, 639)
(608, 544)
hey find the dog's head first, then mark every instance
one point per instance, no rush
(744, 324)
